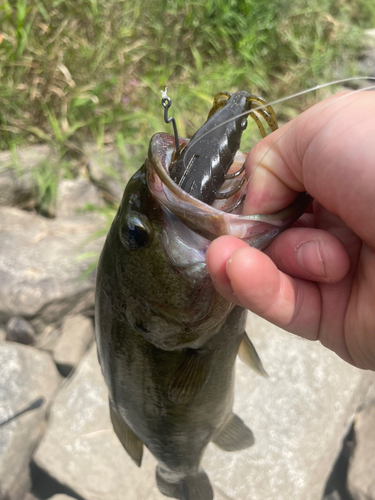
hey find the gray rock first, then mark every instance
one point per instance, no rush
(20, 330)
(370, 398)
(366, 66)
(26, 375)
(74, 340)
(30, 496)
(107, 171)
(46, 280)
(74, 195)
(299, 417)
(366, 63)
(361, 475)
(3, 334)
(79, 448)
(18, 179)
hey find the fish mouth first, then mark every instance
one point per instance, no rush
(213, 221)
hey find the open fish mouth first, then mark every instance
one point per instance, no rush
(214, 221)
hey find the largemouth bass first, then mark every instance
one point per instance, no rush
(167, 341)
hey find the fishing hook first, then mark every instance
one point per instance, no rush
(166, 103)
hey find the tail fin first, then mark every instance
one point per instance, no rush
(193, 487)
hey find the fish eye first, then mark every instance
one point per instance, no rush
(136, 231)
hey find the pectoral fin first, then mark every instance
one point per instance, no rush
(132, 444)
(190, 377)
(248, 355)
(234, 435)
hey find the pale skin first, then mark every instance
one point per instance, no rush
(317, 279)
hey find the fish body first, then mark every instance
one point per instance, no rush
(167, 341)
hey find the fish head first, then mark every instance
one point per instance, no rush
(153, 262)
(212, 221)
(153, 267)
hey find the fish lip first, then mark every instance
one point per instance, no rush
(208, 221)
(158, 164)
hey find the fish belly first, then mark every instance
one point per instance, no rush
(139, 377)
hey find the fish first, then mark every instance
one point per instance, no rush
(167, 341)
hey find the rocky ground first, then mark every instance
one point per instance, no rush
(313, 418)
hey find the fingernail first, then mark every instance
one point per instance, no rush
(229, 283)
(309, 258)
(227, 264)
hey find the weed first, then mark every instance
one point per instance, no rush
(83, 70)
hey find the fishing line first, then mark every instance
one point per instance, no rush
(283, 99)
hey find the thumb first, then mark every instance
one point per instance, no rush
(328, 152)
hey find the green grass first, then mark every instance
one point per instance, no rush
(73, 71)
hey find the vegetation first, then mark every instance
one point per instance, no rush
(81, 70)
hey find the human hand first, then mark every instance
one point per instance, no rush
(316, 280)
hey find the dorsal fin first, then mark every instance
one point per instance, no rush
(248, 355)
(190, 377)
(130, 441)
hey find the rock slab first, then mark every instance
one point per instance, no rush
(299, 417)
(76, 195)
(61, 496)
(18, 174)
(107, 171)
(80, 450)
(20, 330)
(361, 476)
(75, 338)
(42, 266)
(26, 375)
(3, 334)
